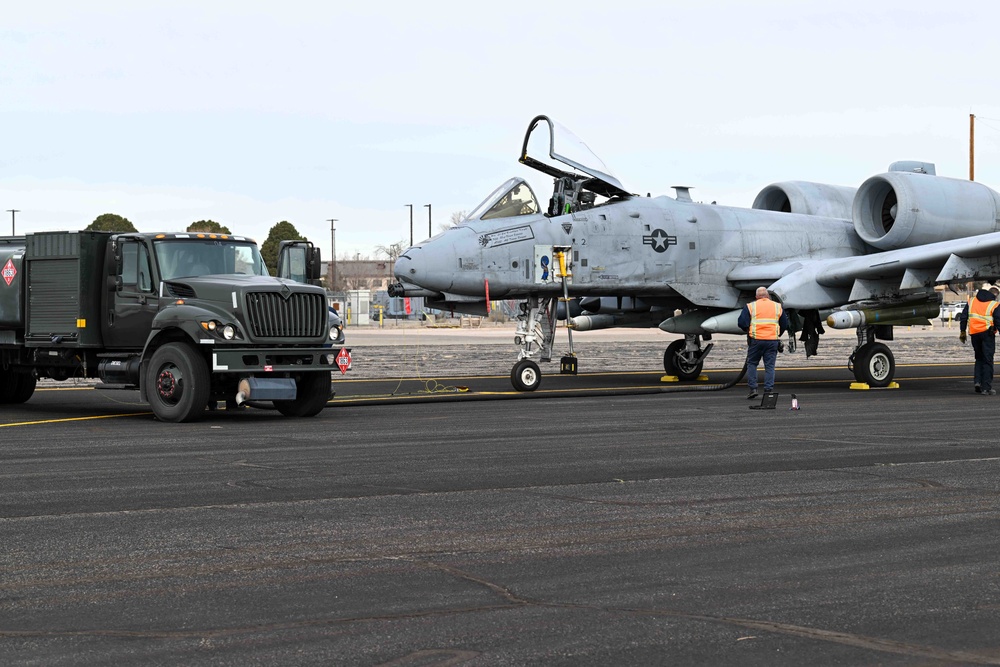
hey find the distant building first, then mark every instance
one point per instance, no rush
(356, 274)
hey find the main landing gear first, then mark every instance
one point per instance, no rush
(535, 335)
(872, 362)
(685, 358)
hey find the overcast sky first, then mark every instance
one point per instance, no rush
(249, 113)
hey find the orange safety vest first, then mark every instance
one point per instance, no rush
(981, 315)
(764, 316)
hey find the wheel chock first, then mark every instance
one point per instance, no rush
(863, 386)
(674, 378)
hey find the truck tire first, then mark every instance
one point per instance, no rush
(16, 387)
(178, 383)
(312, 393)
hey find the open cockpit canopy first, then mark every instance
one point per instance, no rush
(550, 143)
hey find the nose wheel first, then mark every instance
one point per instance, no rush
(526, 376)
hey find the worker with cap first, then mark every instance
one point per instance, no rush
(980, 317)
(764, 321)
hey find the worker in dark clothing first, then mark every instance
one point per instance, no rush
(980, 317)
(764, 321)
(812, 329)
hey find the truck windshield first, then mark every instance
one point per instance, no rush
(206, 257)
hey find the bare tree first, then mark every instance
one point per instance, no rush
(393, 250)
(456, 217)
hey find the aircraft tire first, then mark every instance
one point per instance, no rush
(526, 375)
(674, 363)
(874, 365)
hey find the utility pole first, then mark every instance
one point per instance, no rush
(429, 232)
(12, 212)
(411, 223)
(333, 253)
(972, 147)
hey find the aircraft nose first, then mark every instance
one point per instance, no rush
(416, 268)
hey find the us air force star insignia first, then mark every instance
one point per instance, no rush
(659, 240)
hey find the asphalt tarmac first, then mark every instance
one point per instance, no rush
(597, 521)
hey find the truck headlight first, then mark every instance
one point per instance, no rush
(229, 332)
(336, 333)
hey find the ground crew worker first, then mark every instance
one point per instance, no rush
(764, 321)
(981, 315)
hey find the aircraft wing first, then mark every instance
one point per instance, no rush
(827, 283)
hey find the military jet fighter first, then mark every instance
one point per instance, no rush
(867, 258)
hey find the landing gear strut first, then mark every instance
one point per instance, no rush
(536, 331)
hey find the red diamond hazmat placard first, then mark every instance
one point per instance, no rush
(9, 272)
(344, 360)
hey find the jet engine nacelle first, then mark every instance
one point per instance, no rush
(902, 209)
(831, 201)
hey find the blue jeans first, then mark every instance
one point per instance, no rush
(984, 345)
(768, 350)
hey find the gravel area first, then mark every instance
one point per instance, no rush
(412, 351)
(420, 351)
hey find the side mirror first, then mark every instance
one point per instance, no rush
(299, 261)
(313, 264)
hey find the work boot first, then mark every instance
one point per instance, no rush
(752, 395)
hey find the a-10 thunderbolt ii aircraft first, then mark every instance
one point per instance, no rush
(866, 258)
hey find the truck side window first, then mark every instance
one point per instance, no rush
(135, 266)
(130, 252)
(145, 283)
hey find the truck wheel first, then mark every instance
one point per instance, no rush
(312, 393)
(178, 383)
(16, 387)
(24, 387)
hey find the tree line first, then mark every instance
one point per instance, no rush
(282, 231)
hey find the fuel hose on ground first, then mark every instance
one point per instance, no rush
(706, 387)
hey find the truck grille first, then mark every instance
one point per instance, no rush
(271, 315)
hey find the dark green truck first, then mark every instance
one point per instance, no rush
(187, 319)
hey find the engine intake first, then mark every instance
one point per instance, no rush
(830, 201)
(901, 210)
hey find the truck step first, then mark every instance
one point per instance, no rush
(116, 387)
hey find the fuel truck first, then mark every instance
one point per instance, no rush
(187, 319)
